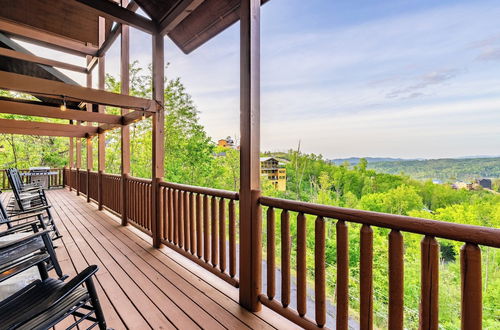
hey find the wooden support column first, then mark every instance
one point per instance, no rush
(250, 211)
(78, 164)
(71, 160)
(89, 139)
(101, 148)
(158, 135)
(125, 130)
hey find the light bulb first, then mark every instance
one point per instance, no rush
(63, 106)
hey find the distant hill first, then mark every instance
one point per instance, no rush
(446, 169)
(355, 160)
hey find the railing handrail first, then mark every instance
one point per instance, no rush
(141, 180)
(202, 190)
(440, 229)
(112, 175)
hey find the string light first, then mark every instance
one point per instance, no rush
(63, 106)
(143, 115)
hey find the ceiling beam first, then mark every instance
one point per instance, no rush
(92, 63)
(175, 16)
(45, 87)
(39, 110)
(44, 129)
(47, 38)
(134, 116)
(40, 60)
(115, 32)
(115, 12)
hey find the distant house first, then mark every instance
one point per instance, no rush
(227, 143)
(437, 181)
(274, 170)
(485, 183)
(462, 185)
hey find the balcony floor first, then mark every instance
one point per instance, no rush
(141, 287)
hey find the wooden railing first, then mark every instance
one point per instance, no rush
(200, 223)
(471, 236)
(112, 192)
(93, 185)
(82, 177)
(138, 203)
(54, 180)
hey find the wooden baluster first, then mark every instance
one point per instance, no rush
(214, 232)
(366, 278)
(429, 309)
(232, 240)
(206, 229)
(301, 265)
(180, 219)
(342, 276)
(271, 257)
(199, 229)
(175, 207)
(141, 218)
(149, 214)
(222, 235)
(192, 228)
(187, 244)
(471, 290)
(166, 225)
(286, 245)
(396, 280)
(171, 214)
(319, 271)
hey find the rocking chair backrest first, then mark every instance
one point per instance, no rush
(4, 218)
(16, 189)
(13, 179)
(16, 176)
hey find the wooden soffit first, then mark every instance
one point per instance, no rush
(66, 18)
(205, 22)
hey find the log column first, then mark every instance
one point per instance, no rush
(250, 212)
(101, 149)
(88, 138)
(158, 136)
(71, 160)
(125, 129)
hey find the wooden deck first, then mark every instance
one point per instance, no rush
(141, 287)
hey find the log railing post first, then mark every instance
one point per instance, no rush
(429, 309)
(250, 211)
(472, 298)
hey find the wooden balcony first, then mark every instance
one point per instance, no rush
(141, 287)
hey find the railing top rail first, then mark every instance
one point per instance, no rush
(458, 232)
(112, 175)
(141, 180)
(202, 190)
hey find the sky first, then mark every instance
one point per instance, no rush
(397, 78)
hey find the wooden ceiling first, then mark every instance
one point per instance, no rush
(189, 23)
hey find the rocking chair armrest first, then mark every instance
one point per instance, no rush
(75, 283)
(20, 227)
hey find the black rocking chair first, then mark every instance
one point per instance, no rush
(43, 304)
(31, 200)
